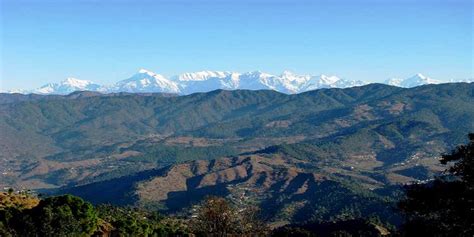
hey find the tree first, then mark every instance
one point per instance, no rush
(128, 221)
(214, 217)
(57, 216)
(217, 217)
(444, 207)
(250, 222)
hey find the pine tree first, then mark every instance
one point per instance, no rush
(444, 207)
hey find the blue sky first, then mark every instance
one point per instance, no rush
(106, 41)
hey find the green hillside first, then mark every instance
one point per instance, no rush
(363, 138)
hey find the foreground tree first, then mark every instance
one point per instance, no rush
(63, 216)
(444, 207)
(55, 216)
(217, 217)
(250, 222)
(127, 221)
(214, 217)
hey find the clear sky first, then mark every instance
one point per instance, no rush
(109, 40)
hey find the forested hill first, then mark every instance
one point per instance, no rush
(373, 136)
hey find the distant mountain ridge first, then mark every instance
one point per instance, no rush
(416, 80)
(68, 86)
(145, 81)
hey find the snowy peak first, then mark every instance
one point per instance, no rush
(328, 80)
(324, 81)
(144, 71)
(287, 82)
(257, 75)
(416, 80)
(71, 81)
(202, 75)
(67, 86)
(289, 74)
(293, 77)
(145, 81)
(394, 82)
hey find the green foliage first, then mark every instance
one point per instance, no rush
(463, 158)
(77, 129)
(335, 125)
(20, 200)
(334, 201)
(84, 126)
(128, 221)
(71, 216)
(54, 216)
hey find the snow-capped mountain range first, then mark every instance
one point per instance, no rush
(145, 81)
(413, 81)
(67, 86)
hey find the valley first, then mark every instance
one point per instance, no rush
(285, 153)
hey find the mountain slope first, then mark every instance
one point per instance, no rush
(66, 140)
(294, 155)
(283, 186)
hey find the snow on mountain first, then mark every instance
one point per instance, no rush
(201, 76)
(206, 81)
(416, 80)
(15, 91)
(324, 81)
(287, 82)
(145, 81)
(67, 86)
(394, 82)
(344, 83)
(467, 80)
(257, 80)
